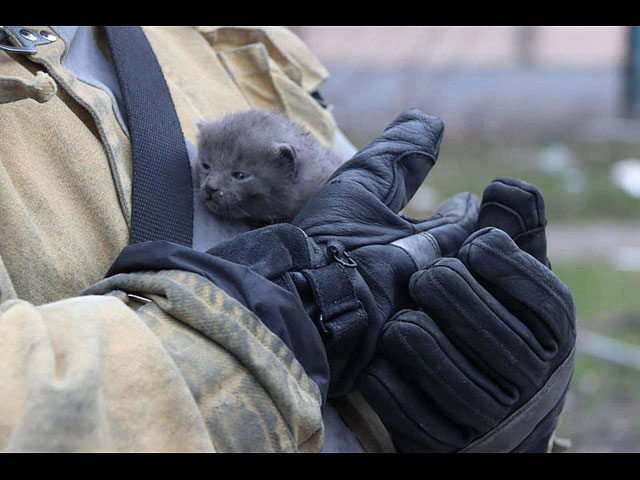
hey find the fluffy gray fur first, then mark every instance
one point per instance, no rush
(259, 166)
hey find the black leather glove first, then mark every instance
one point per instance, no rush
(485, 362)
(481, 353)
(349, 255)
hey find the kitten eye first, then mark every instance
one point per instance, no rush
(206, 166)
(240, 175)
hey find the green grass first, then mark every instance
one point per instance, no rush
(612, 378)
(606, 299)
(471, 166)
(601, 413)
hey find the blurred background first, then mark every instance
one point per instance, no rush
(558, 107)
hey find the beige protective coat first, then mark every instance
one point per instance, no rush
(191, 371)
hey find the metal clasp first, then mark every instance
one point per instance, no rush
(340, 255)
(24, 39)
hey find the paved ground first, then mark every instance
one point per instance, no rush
(618, 243)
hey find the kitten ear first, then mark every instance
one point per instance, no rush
(287, 155)
(201, 124)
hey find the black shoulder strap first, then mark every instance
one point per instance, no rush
(162, 191)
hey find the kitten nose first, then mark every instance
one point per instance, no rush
(209, 191)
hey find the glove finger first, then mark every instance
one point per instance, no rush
(359, 204)
(528, 289)
(414, 343)
(516, 207)
(395, 163)
(413, 422)
(481, 328)
(453, 221)
(444, 232)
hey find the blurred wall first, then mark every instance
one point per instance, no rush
(478, 47)
(535, 82)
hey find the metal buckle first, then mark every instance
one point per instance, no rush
(341, 256)
(24, 39)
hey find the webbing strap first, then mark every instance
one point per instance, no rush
(342, 323)
(162, 191)
(333, 291)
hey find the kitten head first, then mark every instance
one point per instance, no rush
(246, 162)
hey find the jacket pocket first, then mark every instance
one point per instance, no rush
(275, 71)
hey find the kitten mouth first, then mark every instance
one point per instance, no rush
(224, 210)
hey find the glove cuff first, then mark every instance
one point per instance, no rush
(514, 429)
(276, 307)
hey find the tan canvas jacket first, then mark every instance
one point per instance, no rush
(193, 370)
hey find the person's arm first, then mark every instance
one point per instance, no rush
(153, 361)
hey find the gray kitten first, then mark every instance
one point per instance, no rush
(259, 166)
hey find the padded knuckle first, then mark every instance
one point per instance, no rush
(490, 236)
(442, 271)
(407, 326)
